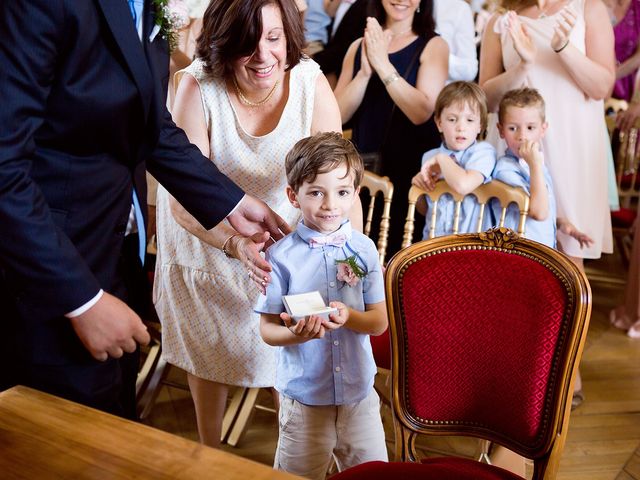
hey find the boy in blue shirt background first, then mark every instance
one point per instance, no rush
(325, 367)
(522, 125)
(461, 116)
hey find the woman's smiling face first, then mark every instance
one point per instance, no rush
(267, 64)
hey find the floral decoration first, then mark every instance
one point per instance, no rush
(349, 271)
(171, 16)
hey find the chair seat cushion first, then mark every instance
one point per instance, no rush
(623, 218)
(441, 468)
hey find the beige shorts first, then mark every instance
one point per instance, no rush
(309, 435)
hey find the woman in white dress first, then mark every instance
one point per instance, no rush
(246, 99)
(563, 48)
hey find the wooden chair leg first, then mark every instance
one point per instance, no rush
(244, 416)
(232, 412)
(150, 389)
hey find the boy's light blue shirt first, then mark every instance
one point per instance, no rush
(316, 22)
(479, 156)
(513, 171)
(339, 368)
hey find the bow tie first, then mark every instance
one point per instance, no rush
(335, 240)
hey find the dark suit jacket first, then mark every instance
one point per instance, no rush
(82, 108)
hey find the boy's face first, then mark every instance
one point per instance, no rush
(520, 124)
(325, 202)
(459, 125)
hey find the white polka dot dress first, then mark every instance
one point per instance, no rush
(204, 300)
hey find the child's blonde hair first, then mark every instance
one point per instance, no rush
(459, 93)
(521, 97)
(321, 153)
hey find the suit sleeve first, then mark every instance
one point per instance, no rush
(192, 178)
(40, 262)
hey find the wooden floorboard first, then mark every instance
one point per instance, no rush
(604, 433)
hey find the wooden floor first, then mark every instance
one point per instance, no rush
(604, 434)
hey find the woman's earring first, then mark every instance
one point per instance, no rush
(418, 9)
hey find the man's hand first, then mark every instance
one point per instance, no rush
(110, 328)
(254, 216)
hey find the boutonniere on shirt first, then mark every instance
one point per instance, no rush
(171, 16)
(349, 271)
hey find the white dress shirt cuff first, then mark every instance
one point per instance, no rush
(237, 205)
(80, 310)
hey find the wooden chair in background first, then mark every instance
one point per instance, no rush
(505, 194)
(377, 185)
(487, 332)
(628, 183)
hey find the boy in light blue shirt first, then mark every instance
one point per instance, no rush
(463, 162)
(522, 124)
(325, 367)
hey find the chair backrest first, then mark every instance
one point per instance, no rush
(627, 163)
(486, 334)
(376, 184)
(506, 194)
(613, 106)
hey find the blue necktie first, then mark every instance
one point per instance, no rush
(142, 238)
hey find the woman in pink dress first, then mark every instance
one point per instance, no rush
(563, 48)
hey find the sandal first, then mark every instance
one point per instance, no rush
(576, 401)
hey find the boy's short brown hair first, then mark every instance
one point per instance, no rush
(321, 153)
(521, 97)
(460, 93)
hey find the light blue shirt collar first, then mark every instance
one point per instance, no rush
(456, 153)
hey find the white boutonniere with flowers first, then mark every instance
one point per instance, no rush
(171, 16)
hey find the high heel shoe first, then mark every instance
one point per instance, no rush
(619, 319)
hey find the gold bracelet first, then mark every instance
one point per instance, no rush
(226, 242)
(389, 79)
(562, 47)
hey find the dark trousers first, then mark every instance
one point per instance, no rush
(108, 386)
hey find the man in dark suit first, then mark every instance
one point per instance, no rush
(82, 95)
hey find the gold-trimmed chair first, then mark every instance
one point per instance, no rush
(506, 194)
(377, 185)
(487, 333)
(628, 183)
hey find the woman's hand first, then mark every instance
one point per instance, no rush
(376, 43)
(563, 28)
(247, 250)
(524, 46)
(365, 66)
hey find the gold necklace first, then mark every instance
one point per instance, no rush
(248, 102)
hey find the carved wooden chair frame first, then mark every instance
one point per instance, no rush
(574, 324)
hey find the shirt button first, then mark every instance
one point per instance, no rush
(337, 369)
(332, 284)
(336, 342)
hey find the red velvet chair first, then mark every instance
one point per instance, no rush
(486, 333)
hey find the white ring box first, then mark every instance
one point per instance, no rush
(304, 304)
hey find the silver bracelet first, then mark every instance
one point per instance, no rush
(389, 79)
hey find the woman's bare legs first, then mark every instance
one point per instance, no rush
(210, 400)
